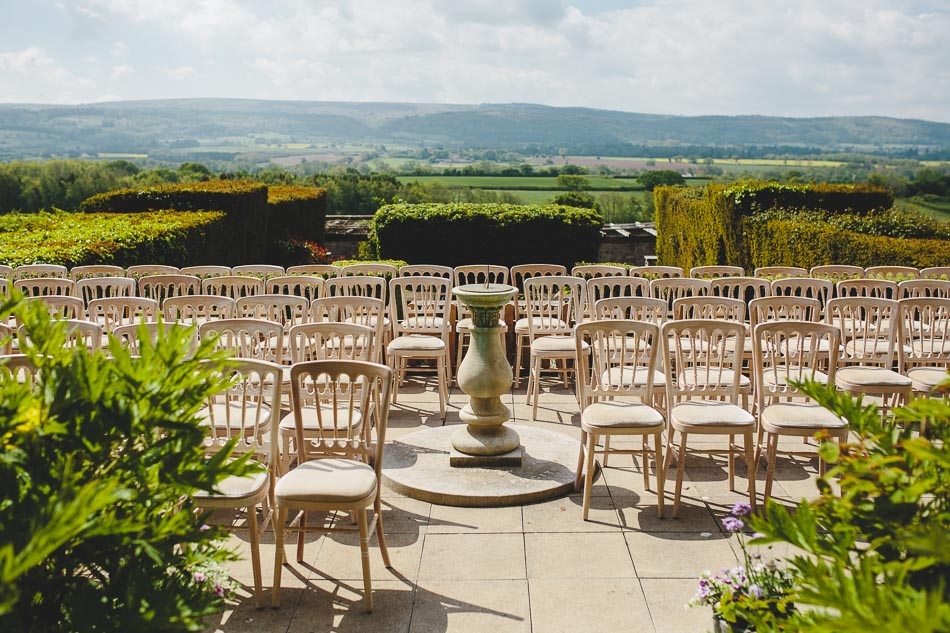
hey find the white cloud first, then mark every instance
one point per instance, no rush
(179, 73)
(120, 49)
(121, 71)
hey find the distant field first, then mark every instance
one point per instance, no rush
(596, 183)
(939, 209)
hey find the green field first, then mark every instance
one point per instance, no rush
(595, 183)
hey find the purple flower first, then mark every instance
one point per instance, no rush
(732, 524)
(741, 509)
(219, 590)
(200, 576)
(755, 590)
(204, 527)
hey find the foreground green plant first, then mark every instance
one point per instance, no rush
(98, 461)
(877, 554)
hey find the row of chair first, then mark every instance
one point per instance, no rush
(692, 376)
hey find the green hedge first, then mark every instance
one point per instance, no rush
(297, 213)
(243, 202)
(505, 234)
(75, 239)
(732, 225)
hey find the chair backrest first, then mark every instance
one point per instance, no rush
(324, 271)
(62, 306)
(360, 390)
(309, 287)
(386, 271)
(288, 310)
(261, 271)
(622, 359)
(77, 273)
(893, 273)
(836, 272)
(91, 288)
(246, 410)
(632, 308)
(913, 288)
(426, 270)
(784, 309)
(590, 271)
(79, 334)
(204, 272)
(805, 287)
(656, 272)
(234, 286)
(715, 272)
(924, 332)
(783, 351)
(160, 287)
(421, 305)
(18, 368)
(777, 272)
(113, 312)
(6, 272)
(880, 288)
(868, 329)
(360, 310)
(744, 288)
(33, 271)
(603, 287)
(332, 340)
(709, 308)
(672, 288)
(142, 270)
(198, 309)
(42, 286)
(703, 359)
(357, 286)
(256, 339)
(7, 334)
(935, 272)
(132, 336)
(480, 274)
(553, 304)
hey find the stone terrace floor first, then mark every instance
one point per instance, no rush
(533, 569)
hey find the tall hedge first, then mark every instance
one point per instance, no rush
(506, 234)
(297, 212)
(714, 226)
(244, 204)
(75, 239)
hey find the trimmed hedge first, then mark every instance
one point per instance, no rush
(297, 213)
(75, 239)
(505, 234)
(243, 202)
(756, 224)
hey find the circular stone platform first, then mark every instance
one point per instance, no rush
(417, 465)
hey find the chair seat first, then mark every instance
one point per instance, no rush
(415, 343)
(924, 379)
(710, 417)
(787, 417)
(555, 344)
(234, 489)
(618, 414)
(331, 481)
(858, 377)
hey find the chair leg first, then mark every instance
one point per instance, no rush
(380, 536)
(536, 384)
(680, 469)
(747, 444)
(364, 555)
(279, 520)
(301, 536)
(606, 449)
(394, 365)
(255, 542)
(579, 474)
(644, 462)
(771, 452)
(660, 474)
(589, 475)
(732, 463)
(440, 370)
(519, 350)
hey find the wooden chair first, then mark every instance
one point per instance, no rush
(876, 287)
(704, 307)
(421, 329)
(777, 272)
(744, 288)
(836, 272)
(702, 393)
(935, 272)
(656, 272)
(552, 306)
(113, 312)
(593, 271)
(160, 286)
(673, 288)
(133, 336)
(78, 273)
(646, 309)
(715, 272)
(62, 306)
(245, 411)
(261, 271)
(206, 272)
(34, 271)
(386, 271)
(892, 273)
(426, 270)
(615, 391)
(803, 287)
(309, 287)
(198, 309)
(234, 286)
(923, 288)
(98, 287)
(143, 270)
(324, 271)
(785, 351)
(80, 334)
(367, 311)
(254, 339)
(924, 349)
(42, 286)
(333, 476)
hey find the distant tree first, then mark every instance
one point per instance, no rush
(194, 172)
(655, 177)
(574, 170)
(572, 183)
(576, 199)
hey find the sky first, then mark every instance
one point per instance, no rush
(798, 58)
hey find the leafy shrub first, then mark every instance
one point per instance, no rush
(75, 239)
(297, 213)
(455, 234)
(294, 252)
(100, 459)
(875, 555)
